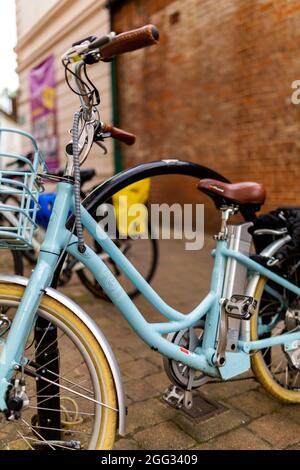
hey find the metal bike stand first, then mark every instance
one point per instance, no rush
(48, 395)
(203, 408)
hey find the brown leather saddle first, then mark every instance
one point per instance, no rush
(246, 194)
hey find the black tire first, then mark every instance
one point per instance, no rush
(92, 285)
(103, 192)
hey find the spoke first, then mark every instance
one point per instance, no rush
(266, 351)
(78, 385)
(280, 371)
(53, 396)
(61, 429)
(65, 411)
(47, 363)
(52, 442)
(51, 344)
(42, 338)
(43, 390)
(61, 377)
(47, 396)
(278, 365)
(261, 312)
(35, 431)
(295, 379)
(73, 368)
(78, 394)
(25, 439)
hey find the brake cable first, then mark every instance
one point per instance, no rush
(94, 99)
(68, 69)
(77, 180)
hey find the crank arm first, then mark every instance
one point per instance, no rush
(219, 359)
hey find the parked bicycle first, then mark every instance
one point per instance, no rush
(60, 385)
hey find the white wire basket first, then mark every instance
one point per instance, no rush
(19, 192)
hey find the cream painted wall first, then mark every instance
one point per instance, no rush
(53, 33)
(9, 142)
(30, 11)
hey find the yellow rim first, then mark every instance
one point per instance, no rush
(107, 431)
(259, 367)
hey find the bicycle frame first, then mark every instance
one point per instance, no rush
(201, 358)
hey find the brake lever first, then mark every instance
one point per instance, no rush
(99, 138)
(86, 140)
(89, 139)
(102, 146)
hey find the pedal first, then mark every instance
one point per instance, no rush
(178, 398)
(241, 307)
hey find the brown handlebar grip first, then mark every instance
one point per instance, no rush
(119, 134)
(130, 41)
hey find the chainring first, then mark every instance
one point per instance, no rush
(178, 372)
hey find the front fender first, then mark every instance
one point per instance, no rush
(105, 346)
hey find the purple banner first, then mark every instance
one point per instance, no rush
(43, 110)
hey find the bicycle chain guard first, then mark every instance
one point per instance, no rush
(184, 379)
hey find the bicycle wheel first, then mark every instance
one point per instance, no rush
(103, 193)
(273, 367)
(85, 386)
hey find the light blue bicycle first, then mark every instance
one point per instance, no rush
(60, 385)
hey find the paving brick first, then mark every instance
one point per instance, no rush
(139, 369)
(294, 447)
(153, 424)
(130, 343)
(139, 390)
(222, 390)
(292, 412)
(118, 333)
(159, 381)
(276, 429)
(126, 444)
(142, 415)
(254, 403)
(155, 358)
(211, 427)
(164, 436)
(122, 356)
(239, 439)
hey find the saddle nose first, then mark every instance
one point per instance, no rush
(246, 192)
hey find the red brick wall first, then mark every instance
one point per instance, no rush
(216, 90)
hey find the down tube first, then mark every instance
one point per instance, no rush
(144, 329)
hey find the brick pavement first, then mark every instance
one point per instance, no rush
(251, 419)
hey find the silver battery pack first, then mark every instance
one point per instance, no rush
(239, 239)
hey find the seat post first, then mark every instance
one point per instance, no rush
(226, 212)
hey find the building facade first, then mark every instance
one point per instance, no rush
(216, 90)
(49, 27)
(9, 142)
